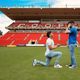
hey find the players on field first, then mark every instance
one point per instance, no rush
(50, 53)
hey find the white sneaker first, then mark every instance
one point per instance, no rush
(34, 62)
(57, 66)
(72, 67)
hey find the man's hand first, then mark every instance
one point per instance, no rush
(69, 26)
(58, 45)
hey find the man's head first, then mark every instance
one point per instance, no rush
(71, 23)
(49, 34)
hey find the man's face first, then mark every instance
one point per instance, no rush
(51, 35)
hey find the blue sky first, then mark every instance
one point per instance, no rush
(12, 3)
(40, 3)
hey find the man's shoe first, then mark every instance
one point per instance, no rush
(57, 66)
(34, 62)
(72, 67)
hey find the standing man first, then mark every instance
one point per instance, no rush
(72, 31)
(49, 53)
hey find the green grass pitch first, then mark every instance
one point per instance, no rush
(16, 64)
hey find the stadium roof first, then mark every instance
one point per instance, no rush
(41, 13)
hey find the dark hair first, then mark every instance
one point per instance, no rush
(48, 34)
(71, 22)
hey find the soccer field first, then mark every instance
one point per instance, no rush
(16, 64)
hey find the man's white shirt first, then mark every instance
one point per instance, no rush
(49, 41)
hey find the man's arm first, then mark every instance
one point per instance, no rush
(67, 29)
(53, 47)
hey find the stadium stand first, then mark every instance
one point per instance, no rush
(39, 26)
(22, 31)
(63, 38)
(24, 38)
(36, 26)
(78, 38)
